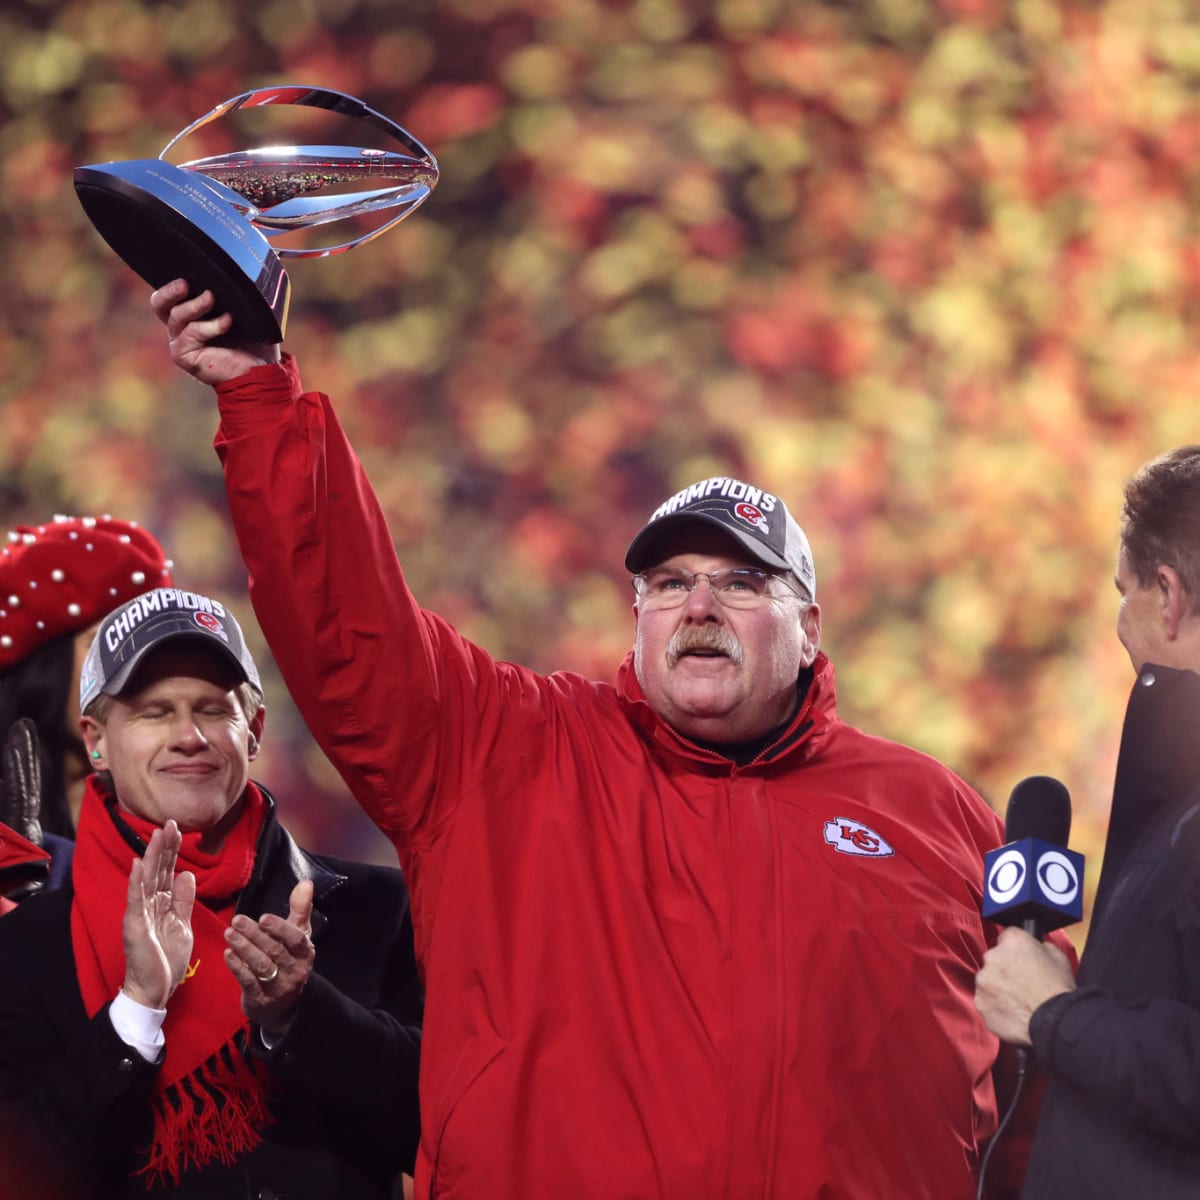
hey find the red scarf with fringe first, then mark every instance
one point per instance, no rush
(209, 1099)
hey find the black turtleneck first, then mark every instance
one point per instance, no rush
(746, 752)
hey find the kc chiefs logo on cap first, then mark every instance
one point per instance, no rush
(853, 837)
(752, 515)
(209, 622)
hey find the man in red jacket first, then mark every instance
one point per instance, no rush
(688, 935)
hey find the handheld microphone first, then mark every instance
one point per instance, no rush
(1033, 880)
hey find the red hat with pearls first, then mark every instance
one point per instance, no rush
(62, 577)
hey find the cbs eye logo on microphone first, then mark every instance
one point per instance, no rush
(1033, 883)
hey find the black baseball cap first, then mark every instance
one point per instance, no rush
(758, 520)
(148, 622)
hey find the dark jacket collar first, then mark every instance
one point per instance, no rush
(1159, 763)
(1158, 769)
(280, 864)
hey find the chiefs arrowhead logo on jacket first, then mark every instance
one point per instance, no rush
(853, 837)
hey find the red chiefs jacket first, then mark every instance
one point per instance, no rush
(649, 972)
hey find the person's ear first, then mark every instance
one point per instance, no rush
(93, 740)
(1174, 603)
(810, 622)
(254, 740)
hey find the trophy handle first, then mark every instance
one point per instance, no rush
(419, 165)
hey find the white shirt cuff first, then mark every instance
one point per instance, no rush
(138, 1026)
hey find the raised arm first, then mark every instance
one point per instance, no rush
(411, 714)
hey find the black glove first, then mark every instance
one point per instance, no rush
(21, 805)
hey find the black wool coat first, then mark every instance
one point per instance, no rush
(75, 1100)
(1121, 1116)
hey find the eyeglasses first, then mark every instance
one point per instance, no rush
(734, 587)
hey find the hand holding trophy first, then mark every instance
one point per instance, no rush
(211, 220)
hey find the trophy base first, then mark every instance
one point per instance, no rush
(169, 223)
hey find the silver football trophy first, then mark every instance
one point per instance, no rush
(211, 220)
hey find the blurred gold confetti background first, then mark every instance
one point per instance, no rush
(929, 270)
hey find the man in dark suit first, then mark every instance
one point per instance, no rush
(158, 1036)
(1121, 1044)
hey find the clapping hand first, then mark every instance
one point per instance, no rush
(272, 959)
(157, 928)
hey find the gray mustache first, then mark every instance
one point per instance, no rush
(704, 637)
